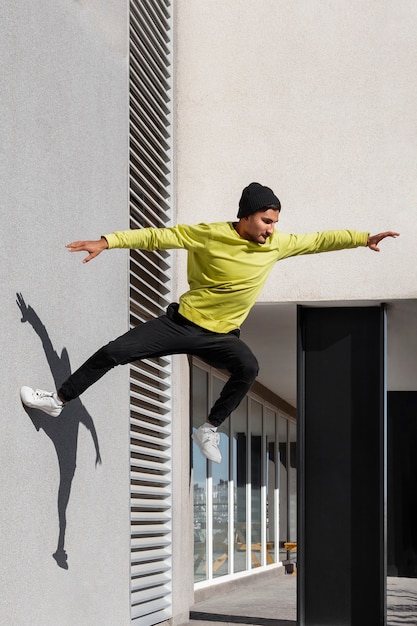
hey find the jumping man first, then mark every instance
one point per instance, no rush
(228, 264)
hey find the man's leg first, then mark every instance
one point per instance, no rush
(225, 352)
(157, 337)
(243, 366)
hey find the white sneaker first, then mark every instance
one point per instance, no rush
(208, 442)
(45, 401)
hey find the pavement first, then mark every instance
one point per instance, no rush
(401, 601)
(272, 601)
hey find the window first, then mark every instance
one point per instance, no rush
(242, 506)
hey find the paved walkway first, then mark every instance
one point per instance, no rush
(272, 602)
(401, 601)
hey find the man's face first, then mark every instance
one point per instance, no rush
(259, 226)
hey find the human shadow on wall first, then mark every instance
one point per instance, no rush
(62, 430)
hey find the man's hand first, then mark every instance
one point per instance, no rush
(373, 240)
(94, 248)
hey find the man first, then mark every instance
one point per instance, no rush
(228, 264)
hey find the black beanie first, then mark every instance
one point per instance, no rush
(255, 197)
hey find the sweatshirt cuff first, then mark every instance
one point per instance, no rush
(111, 240)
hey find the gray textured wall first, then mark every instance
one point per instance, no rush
(63, 176)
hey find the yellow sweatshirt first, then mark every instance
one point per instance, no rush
(225, 272)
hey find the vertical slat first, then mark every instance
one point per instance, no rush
(263, 489)
(150, 288)
(249, 489)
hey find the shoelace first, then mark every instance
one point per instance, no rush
(43, 394)
(211, 437)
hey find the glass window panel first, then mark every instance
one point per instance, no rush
(271, 486)
(220, 510)
(293, 482)
(283, 485)
(256, 480)
(199, 406)
(238, 422)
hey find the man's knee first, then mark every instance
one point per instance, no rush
(107, 356)
(249, 367)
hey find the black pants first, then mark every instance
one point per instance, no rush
(173, 334)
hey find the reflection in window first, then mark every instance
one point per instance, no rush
(283, 484)
(238, 423)
(270, 423)
(292, 483)
(220, 497)
(256, 482)
(199, 413)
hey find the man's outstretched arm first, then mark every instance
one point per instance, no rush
(94, 248)
(373, 240)
(167, 238)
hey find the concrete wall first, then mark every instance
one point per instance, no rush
(317, 100)
(63, 177)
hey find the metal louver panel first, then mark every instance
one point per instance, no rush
(150, 287)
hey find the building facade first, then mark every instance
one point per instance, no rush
(118, 115)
